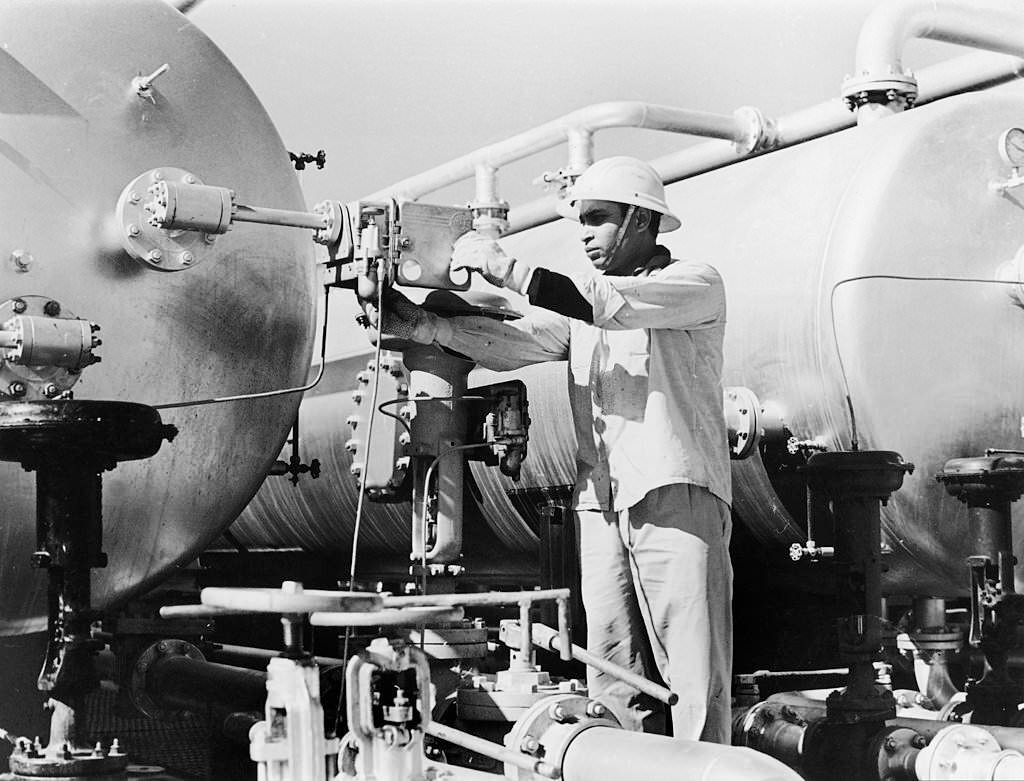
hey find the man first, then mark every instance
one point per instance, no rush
(643, 338)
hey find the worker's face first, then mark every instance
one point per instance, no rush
(600, 223)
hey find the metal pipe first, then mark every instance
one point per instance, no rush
(265, 216)
(179, 682)
(634, 114)
(961, 74)
(1007, 737)
(492, 750)
(606, 752)
(468, 600)
(546, 637)
(891, 25)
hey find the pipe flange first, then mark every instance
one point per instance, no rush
(881, 88)
(930, 641)
(981, 477)
(546, 730)
(26, 383)
(857, 473)
(140, 670)
(761, 133)
(157, 248)
(742, 420)
(965, 751)
(28, 761)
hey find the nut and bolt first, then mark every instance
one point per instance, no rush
(187, 257)
(209, 238)
(154, 256)
(19, 306)
(21, 259)
(404, 438)
(190, 179)
(51, 308)
(16, 388)
(558, 713)
(162, 646)
(134, 197)
(133, 229)
(50, 390)
(889, 745)
(596, 710)
(918, 741)
(157, 175)
(355, 470)
(529, 745)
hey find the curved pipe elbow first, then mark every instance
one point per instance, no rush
(998, 28)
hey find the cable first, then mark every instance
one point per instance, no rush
(399, 418)
(369, 434)
(404, 422)
(267, 394)
(854, 438)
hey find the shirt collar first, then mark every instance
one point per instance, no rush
(661, 258)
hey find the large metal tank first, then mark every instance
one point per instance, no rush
(73, 133)
(934, 368)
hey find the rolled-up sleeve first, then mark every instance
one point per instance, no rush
(499, 345)
(682, 295)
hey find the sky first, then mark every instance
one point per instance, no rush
(389, 88)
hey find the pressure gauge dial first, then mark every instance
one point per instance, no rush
(1011, 146)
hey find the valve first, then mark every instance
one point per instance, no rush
(302, 158)
(811, 550)
(294, 466)
(502, 420)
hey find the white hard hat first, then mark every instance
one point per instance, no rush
(623, 180)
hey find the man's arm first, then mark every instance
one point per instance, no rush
(504, 345)
(494, 344)
(673, 295)
(685, 296)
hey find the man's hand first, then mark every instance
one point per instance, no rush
(400, 317)
(477, 252)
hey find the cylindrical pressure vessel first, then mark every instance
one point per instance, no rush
(821, 247)
(75, 130)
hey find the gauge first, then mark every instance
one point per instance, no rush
(1011, 146)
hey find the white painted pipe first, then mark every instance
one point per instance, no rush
(575, 126)
(994, 27)
(608, 753)
(952, 77)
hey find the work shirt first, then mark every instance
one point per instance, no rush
(644, 379)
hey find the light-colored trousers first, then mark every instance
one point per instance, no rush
(657, 590)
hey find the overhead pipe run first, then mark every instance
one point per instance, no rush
(961, 74)
(880, 86)
(746, 129)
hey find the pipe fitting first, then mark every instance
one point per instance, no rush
(962, 751)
